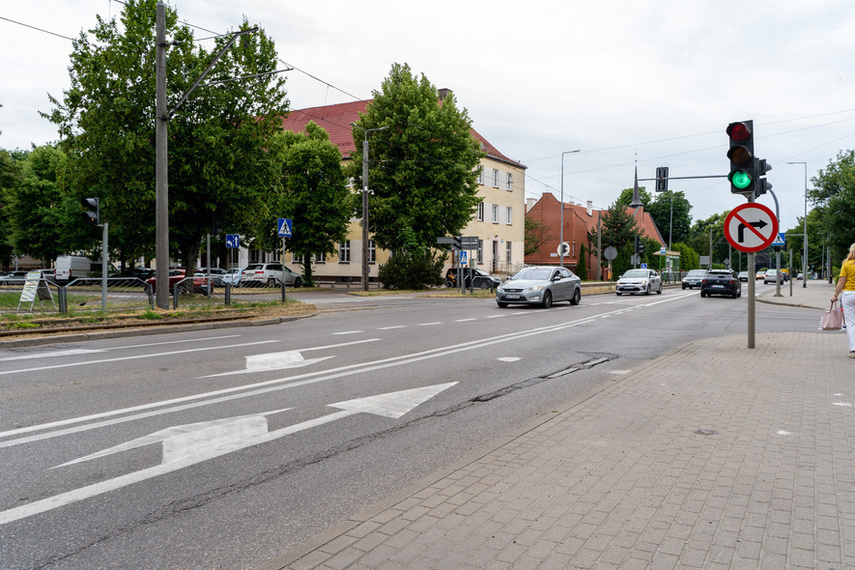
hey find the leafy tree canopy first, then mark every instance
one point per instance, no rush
(423, 165)
(219, 168)
(834, 192)
(662, 213)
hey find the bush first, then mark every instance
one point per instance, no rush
(412, 270)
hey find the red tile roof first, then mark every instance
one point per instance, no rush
(336, 119)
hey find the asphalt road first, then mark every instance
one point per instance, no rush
(222, 449)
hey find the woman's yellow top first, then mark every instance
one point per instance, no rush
(848, 270)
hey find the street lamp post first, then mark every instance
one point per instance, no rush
(804, 229)
(561, 230)
(365, 202)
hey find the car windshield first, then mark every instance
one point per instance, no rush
(696, 273)
(534, 273)
(636, 273)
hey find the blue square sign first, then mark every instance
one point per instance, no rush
(283, 227)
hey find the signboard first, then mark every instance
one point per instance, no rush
(463, 256)
(284, 227)
(780, 241)
(564, 249)
(751, 227)
(232, 240)
(610, 253)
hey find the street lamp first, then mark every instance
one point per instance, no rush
(805, 252)
(365, 202)
(561, 231)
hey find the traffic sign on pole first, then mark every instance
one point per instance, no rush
(751, 227)
(232, 240)
(284, 227)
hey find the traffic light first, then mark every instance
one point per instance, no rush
(635, 242)
(640, 246)
(741, 155)
(661, 178)
(93, 210)
(761, 185)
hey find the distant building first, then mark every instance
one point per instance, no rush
(578, 222)
(499, 222)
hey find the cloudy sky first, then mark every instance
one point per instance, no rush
(652, 81)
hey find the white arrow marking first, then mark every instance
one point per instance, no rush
(177, 454)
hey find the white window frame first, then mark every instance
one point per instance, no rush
(509, 182)
(508, 248)
(495, 213)
(510, 216)
(344, 252)
(495, 178)
(319, 258)
(479, 216)
(481, 176)
(372, 252)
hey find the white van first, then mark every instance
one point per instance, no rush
(71, 267)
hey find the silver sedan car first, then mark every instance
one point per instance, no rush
(540, 285)
(639, 281)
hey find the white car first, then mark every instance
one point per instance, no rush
(639, 281)
(269, 274)
(233, 276)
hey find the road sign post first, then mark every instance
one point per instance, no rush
(284, 230)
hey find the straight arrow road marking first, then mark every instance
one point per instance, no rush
(182, 444)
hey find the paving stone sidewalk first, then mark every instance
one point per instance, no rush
(714, 456)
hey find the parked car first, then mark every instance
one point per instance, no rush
(479, 278)
(800, 276)
(639, 281)
(771, 276)
(260, 274)
(693, 278)
(721, 282)
(540, 285)
(71, 267)
(178, 279)
(233, 276)
(743, 276)
(216, 275)
(14, 276)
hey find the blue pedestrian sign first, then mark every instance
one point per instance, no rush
(780, 241)
(232, 240)
(284, 227)
(463, 257)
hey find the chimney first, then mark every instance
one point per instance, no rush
(529, 204)
(590, 209)
(443, 93)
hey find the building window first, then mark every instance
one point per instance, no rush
(297, 259)
(319, 258)
(508, 251)
(480, 252)
(480, 215)
(509, 182)
(495, 213)
(344, 252)
(510, 216)
(481, 175)
(372, 252)
(495, 178)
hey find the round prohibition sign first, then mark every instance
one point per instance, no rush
(751, 227)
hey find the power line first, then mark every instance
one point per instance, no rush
(37, 29)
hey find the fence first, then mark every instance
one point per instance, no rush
(125, 294)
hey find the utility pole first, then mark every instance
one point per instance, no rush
(161, 169)
(365, 192)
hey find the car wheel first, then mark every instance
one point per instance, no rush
(298, 282)
(659, 291)
(647, 291)
(484, 284)
(684, 287)
(449, 283)
(501, 305)
(577, 297)
(703, 294)
(547, 300)
(182, 289)
(618, 293)
(147, 289)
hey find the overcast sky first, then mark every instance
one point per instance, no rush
(655, 81)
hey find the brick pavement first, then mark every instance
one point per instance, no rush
(701, 459)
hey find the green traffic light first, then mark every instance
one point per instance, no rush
(740, 179)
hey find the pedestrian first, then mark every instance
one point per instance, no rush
(845, 291)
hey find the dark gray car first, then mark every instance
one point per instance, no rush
(540, 285)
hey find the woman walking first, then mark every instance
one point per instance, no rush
(846, 288)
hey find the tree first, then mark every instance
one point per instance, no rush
(10, 178)
(834, 192)
(661, 212)
(536, 234)
(710, 229)
(36, 208)
(619, 227)
(582, 266)
(219, 167)
(423, 166)
(314, 195)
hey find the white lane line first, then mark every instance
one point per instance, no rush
(259, 388)
(137, 357)
(464, 320)
(342, 333)
(509, 359)
(82, 351)
(433, 324)
(391, 328)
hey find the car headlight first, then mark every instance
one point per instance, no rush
(534, 288)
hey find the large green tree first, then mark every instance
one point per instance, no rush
(219, 167)
(423, 165)
(10, 178)
(314, 194)
(834, 193)
(671, 212)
